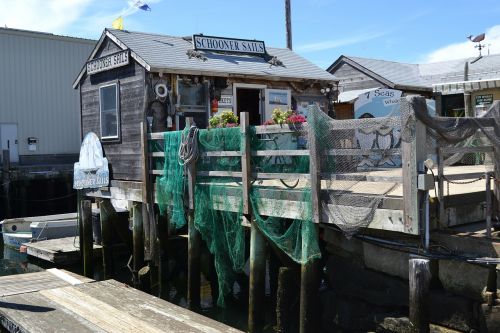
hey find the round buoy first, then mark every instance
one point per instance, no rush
(161, 90)
(23, 249)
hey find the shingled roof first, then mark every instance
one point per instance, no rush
(169, 54)
(423, 76)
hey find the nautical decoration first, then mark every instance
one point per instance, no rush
(91, 170)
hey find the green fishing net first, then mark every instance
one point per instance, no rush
(218, 219)
(170, 187)
(218, 200)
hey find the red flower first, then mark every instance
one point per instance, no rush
(296, 119)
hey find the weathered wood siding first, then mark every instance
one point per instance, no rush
(124, 156)
(352, 79)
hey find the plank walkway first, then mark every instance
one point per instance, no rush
(106, 306)
(61, 251)
(31, 282)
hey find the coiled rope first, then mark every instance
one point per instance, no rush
(188, 149)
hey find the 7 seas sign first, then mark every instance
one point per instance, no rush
(220, 44)
(108, 62)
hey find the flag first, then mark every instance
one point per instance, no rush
(142, 5)
(118, 23)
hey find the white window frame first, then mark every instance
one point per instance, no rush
(118, 123)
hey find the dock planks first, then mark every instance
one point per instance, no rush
(61, 251)
(106, 306)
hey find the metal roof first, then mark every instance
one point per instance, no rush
(425, 75)
(163, 53)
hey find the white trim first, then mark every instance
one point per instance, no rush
(461, 86)
(117, 106)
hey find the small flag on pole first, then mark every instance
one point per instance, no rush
(118, 23)
(143, 6)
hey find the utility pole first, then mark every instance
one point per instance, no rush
(288, 22)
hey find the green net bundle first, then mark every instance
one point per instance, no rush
(295, 237)
(170, 187)
(218, 218)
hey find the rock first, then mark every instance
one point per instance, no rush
(451, 311)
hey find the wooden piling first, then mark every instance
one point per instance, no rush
(256, 290)
(6, 182)
(79, 201)
(284, 298)
(194, 240)
(309, 271)
(137, 242)
(489, 210)
(107, 213)
(491, 287)
(419, 281)
(88, 242)
(163, 232)
(194, 246)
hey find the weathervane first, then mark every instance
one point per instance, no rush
(478, 39)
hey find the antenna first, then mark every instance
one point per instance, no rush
(478, 39)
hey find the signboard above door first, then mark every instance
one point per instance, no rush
(108, 62)
(228, 45)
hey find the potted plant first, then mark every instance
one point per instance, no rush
(223, 120)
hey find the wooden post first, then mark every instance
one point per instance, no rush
(442, 208)
(491, 286)
(284, 297)
(194, 240)
(257, 285)
(245, 163)
(6, 181)
(413, 155)
(309, 295)
(489, 210)
(163, 232)
(79, 202)
(288, 21)
(138, 242)
(107, 213)
(309, 275)
(419, 280)
(88, 242)
(147, 198)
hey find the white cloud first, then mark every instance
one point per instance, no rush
(331, 44)
(83, 18)
(466, 49)
(41, 15)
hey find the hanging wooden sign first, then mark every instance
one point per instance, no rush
(229, 45)
(108, 62)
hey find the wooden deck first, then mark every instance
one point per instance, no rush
(61, 251)
(31, 282)
(107, 306)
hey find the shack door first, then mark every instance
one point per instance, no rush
(8, 140)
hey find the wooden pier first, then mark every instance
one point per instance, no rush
(59, 301)
(61, 251)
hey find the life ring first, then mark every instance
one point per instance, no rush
(161, 90)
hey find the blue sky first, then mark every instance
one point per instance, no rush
(416, 31)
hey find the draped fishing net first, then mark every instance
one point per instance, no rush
(360, 165)
(170, 187)
(455, 134)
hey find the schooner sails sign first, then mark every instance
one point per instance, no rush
(229, 45)
(108, 62)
